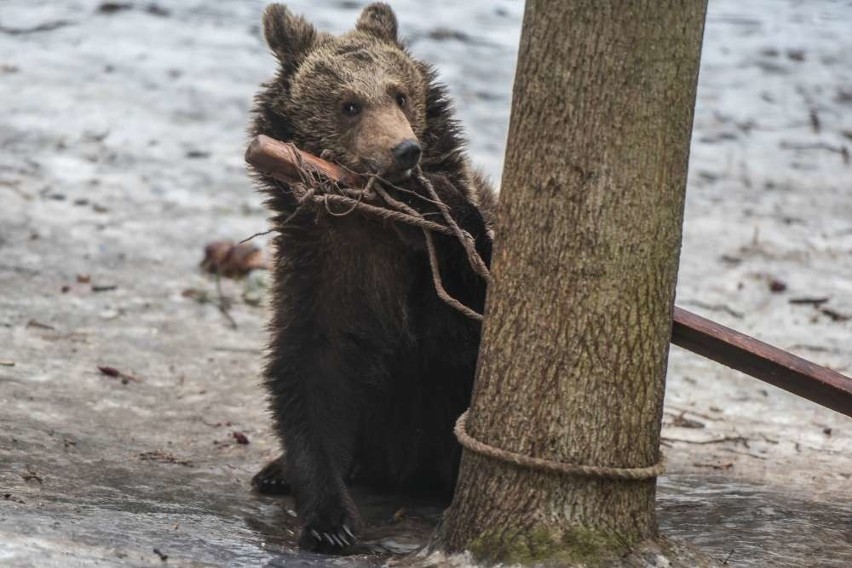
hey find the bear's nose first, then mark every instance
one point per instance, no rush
(406, 154)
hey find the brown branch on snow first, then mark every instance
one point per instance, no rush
(114, 373)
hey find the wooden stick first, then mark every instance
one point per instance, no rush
(285, 162)
(760, 360)
(690, 331)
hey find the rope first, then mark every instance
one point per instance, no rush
(538, 464)
(465, 238)
(322, 192)
(439, 286)
(433, 255)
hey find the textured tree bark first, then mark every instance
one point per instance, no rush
(578, 318)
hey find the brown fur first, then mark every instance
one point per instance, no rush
(368, 368)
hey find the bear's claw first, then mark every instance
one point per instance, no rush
(327, 541)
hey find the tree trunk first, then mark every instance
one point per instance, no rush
(578, 318)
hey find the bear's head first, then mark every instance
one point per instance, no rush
(358, 98)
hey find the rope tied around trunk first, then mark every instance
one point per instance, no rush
(539, 464)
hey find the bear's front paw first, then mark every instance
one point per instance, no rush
(272, 479)
(329, 531)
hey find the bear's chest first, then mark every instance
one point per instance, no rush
(366, 274)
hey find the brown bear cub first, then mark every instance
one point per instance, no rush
(368, 368)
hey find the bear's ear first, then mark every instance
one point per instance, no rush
(289, 37)
(379, 20)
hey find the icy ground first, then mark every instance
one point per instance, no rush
(121, 142)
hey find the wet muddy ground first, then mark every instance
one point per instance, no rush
(121, 139)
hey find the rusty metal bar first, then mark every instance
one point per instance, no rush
(763, 361)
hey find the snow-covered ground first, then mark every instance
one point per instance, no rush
(121, 143)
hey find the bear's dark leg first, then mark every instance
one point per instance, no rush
(273, 478)
(315, 407)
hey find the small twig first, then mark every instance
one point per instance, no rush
(262, 233)
(682, 411)
(805, 346)
(755, 456)
(816, 302)
(45, 27)
(114, 373)
(160, 456)
(834, 314)
(37, 324)
(787, 145)
(716, 308)
(238, 349)
(681, 421)
(737, 439)
(720, 466)
(221, 302)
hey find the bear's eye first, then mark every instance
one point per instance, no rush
(351, 109)
(401, 100)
